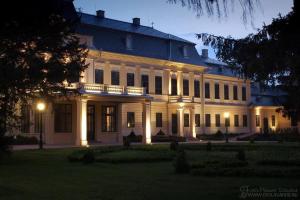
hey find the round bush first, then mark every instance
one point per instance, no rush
(88, 157)
(174, 146)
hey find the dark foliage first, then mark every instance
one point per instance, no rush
(126, 143)
(174, 146)
(181, 164)
(167, 138)
(160, 133)
(88, 157)
(208, 146)
(270, 57)
(288, 163)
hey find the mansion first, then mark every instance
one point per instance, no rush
(142, 80)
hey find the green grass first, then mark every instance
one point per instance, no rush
(49, 175)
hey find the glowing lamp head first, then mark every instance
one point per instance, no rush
(226, 115)
(41, 106)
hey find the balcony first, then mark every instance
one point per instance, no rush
(184, 99)
(104, 89)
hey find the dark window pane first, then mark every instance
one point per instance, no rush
(236, 120)
(63, 118)
(145, 83)
(235, 92)
(130, 79)
(109, 119)
(130, 120)
(173, 86)
(226, 92)
(197, 120)
(99, 76)
(218, 120)
(207, 120)
(158, 119)
(244, 94)
(196, 88)
(207, 91)
(245, 121)
(186, 117)
(158, 85)
(217, 91)
(257, 120)
(115, 78)
(186, 87)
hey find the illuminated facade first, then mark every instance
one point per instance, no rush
(144, 81)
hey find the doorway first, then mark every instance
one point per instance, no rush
(174, 124)
(91, 123)
(266, 126)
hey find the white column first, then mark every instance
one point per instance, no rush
(180, 121)
(147, 123)
(81, 136)
(107, 73)
(179, 83)
(192, 123)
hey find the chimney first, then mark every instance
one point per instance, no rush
(136, 21)
(204, 53)
(100, 13)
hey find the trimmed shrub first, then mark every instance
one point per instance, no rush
(174, 146)
(208, 146)
(241, 155)
(288, 163)
(251, 140)
(88, 157)
(126, 143)
(181, 164)
(219, 133)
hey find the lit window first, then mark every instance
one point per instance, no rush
(257, 120)
(130, 120)
(109, 119)
(273, 120)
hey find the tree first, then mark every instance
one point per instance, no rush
(219, 7)
(271, 56)
(38, 52)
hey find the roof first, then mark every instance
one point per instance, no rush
(110, 35)
(268, 96)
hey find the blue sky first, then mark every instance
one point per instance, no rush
(183, 22)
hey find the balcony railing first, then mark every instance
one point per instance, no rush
(185, 99)
(112, 89)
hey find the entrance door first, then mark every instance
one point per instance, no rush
(174, 124)
(266, 125)
(90, 122)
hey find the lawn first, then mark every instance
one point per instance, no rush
(49, 175)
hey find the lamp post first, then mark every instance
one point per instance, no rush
(226, 116)
(40, 106)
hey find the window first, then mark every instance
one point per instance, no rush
(218, 120)
(244, 94)
(273, 120)
(173, 86)
(257, 120)
(227, 122)
(207, 91)
(185, 51)
(129, 42)
(37, 122)
(226, 92)
(109, 119)
(207, 120)
(63, 118)
(145, 83)
(236, 121)
(158, 119)
(99, 76)
(245, 120)
(197, 120)
(130, 79)
(196, 88)
(235, 92)
(115, 78)
(158, 85)
(217, 91)
(25, 119)
(186, 117)
(130, 120)
(185, 87)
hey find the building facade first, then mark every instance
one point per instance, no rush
(145, 81)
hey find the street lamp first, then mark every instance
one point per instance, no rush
(226, 116)
(40, 106)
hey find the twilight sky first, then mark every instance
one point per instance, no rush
(183, 22)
